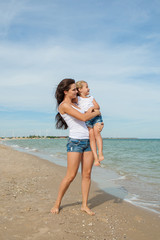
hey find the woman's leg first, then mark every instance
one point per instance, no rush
(73, 161)
(93, 146)
(99, 142)
(87, 163)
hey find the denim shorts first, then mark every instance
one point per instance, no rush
(90, 123)
(78, 145)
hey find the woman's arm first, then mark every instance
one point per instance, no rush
(96, 105)
(67, 108)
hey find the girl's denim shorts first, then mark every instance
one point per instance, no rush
(90, 123)
(78, 145)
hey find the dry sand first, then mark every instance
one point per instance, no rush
(28, 189)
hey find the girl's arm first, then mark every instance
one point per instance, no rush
(67, 108)
(96, 105)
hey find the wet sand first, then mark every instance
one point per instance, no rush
(28, 189)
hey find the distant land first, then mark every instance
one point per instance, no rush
(63, 137)
(50, 137)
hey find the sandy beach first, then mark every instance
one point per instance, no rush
(28, 189)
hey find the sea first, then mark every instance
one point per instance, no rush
(130, 170)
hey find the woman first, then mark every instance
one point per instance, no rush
(78, 147)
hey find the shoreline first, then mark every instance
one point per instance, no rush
(109, 184)
(29, 186)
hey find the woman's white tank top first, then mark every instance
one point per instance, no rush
(77, 128)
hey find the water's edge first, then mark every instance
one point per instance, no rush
(107, 180)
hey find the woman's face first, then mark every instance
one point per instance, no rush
(72, 92)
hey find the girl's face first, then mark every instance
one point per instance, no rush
(72, 92)
(84, 90)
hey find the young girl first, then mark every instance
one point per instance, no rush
(85, 102)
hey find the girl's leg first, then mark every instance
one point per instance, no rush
(99, 142)
(73, 161)
(87, 163)
(93, 146)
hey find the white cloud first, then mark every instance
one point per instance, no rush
(29, 75)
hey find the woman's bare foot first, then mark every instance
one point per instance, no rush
(87, 210)
(101, 158)
(96, 163)
(55, 210)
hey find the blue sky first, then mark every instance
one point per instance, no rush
(113, 45)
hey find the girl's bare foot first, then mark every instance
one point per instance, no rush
(87, 210)
(55, 210)
(96, 163)
(101, 158)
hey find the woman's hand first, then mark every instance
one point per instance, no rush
(100, 126)
(91, 109)
(97, 111)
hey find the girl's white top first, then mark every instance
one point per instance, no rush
(85, 103)
(77, 128)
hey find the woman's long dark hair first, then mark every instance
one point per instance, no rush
(64, 85)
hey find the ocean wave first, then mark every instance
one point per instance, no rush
(15, 146)
(34, 150)
(121, 178)
(118, 178)
(153, 206)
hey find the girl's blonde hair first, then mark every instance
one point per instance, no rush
(79, 85)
